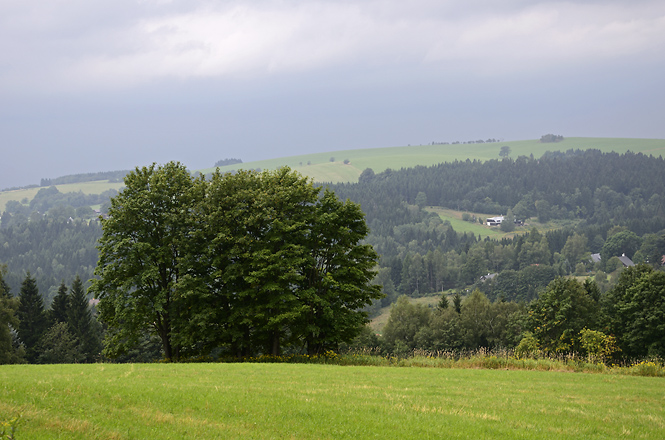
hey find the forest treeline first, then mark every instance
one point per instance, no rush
(66, 332)
(615, 200)
(568, 318)
(619, 189)
(111, 176)
(52, 248)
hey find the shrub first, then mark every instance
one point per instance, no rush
(528, 347)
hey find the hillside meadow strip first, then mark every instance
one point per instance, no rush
(301, 401)
(319, 167)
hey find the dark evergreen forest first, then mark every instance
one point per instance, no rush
(51, 249)
(604, 192)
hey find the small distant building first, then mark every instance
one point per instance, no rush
(489, 276)
(595, 258)
(627, 262)
(494, 221)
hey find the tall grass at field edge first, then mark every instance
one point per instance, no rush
(477, 359)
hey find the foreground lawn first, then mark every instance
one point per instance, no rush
(264, 401)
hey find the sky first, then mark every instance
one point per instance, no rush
(90, 86)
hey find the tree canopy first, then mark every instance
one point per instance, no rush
(244, 264)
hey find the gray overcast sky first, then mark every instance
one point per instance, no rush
(104, 85)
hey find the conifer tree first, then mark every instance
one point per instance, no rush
(9, 353)
(32, 317)
(79, 320)
(59, 306)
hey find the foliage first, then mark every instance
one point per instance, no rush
(551, 138)
(479, 323)
(9, 352)
(113, 176)
(59, 346)
(519, 285)
(406, 320)
(245, 263)
(597, 345)
(508, 223)
(635, 311)
(51, 249)
(32, 318)
(575, 249)
(227, 161)
(141, 249)
(59, 306)
(560, 313)
(622, 243)
(81, 324)
(528, 347)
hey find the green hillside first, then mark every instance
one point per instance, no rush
(96, 187)
(319, 167)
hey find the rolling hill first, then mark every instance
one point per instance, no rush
(321, 168)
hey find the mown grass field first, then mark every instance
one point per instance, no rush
(459, 225)
(96, 187)
(210, 401)
(300, 401)
(321, 169)
(495, 232)
(379, 159)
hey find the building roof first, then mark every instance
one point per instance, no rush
(489, 276)
(626, 261)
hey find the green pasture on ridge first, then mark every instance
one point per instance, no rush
(379, 159)
(321, 169)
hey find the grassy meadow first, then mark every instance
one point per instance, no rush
(319, 167)
(494, 232)
(275, 401)
(96, 187)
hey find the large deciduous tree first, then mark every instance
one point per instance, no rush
(337, 274)
(560, 313)
(141, 251)
(247, 262)
(635, 311)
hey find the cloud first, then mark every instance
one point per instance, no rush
(76, 44)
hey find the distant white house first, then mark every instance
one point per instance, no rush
(494, 221)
